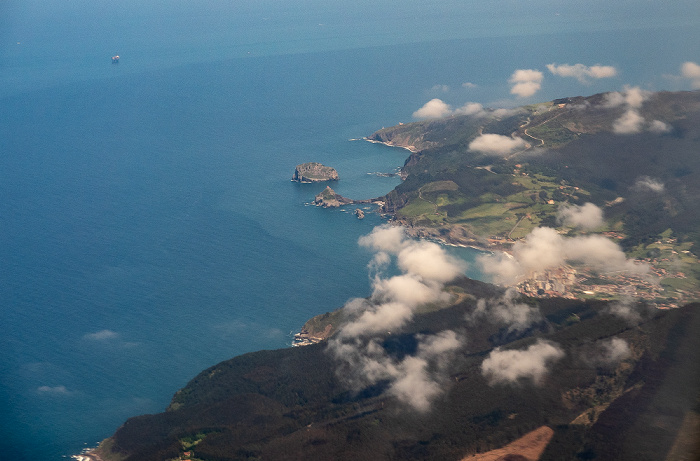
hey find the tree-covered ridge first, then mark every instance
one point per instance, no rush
(293, 404)
(570, 143)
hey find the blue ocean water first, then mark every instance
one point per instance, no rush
(148, 225)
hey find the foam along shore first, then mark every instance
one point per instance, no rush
(328, 198)
(411, 149)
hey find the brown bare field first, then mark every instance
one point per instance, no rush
(529, 447)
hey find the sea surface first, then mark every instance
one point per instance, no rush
(148, 225)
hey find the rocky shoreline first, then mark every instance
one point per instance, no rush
(328, 198)
(89, 455)
(411, 149)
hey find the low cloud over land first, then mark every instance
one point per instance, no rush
(632, 121)
(511, 366)
(586, 216)
(425, 268)
(608, 352)
(414, 380)
(544, 248)
(496, 144)
(507, 310)
(646, 183)
(626, 309)
(437, 108)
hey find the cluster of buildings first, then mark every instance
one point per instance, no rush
(572, 283)
(560, 282)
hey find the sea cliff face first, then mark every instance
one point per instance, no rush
(314, 172)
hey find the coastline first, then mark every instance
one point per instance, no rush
(411, 149)
(89, 455)
(456, 237)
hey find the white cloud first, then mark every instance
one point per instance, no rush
(440, 88)
(389, 239)
(526, 82)
(659, 127)
(631, 122)
(544, 248)
(525, 89)
(416, 380)
(526, 75)
(362, 361)
(439, 344)
(503, 112)
(415, 384)
(613, 99)
(635, 96)
(614, 350)
(581, 72)
(507, 311)
(496, 144)
(632, 96)
(380, 318)
(646, 183)
(510, 366)
(379, 262)
(425, 267)
(625, 309)
(606, 352)
(409, 289)
(602, 254)
(471, 108)
(435, 108)
(691, 71)
(102, 335)
(501, 268)
(587, 216)
(469, 85)
(429, 261)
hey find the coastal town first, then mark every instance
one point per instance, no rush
(666, 285)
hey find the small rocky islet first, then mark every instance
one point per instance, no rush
(314, 172)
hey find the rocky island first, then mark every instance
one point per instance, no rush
(328, 198)
(314, 172)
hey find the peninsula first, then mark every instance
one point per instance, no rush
(572, 165)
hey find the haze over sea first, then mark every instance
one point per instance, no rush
(148, 225)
